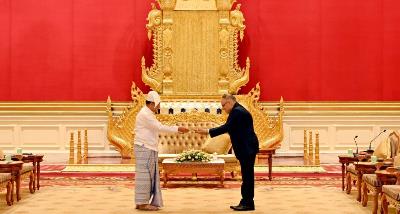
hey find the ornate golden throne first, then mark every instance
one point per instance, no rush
(195, 61)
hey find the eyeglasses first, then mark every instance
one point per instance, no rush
(223, 104)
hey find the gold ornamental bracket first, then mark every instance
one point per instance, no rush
(269, 129)
(237, 20)
(154, 19)
(195, 40)
(120, 127)
(153, 76)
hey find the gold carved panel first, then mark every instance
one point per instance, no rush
(195, 70)
(195, 48)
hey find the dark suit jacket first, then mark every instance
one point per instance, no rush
(240, 128)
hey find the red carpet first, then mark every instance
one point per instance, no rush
(56, 171)
(51, 175)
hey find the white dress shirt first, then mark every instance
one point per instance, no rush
(147, 128)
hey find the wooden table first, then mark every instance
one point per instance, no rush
(35, 159)
(345, 160)
(386, 176)
(170, 166)
(13, 167)
(267, 153)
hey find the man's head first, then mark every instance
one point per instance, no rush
(153, 101)
(227, 102)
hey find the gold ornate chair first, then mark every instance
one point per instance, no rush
(268, 128)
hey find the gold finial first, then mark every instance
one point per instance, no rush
(238, 6)
(79, 149)
(310, 148)
(305, 147)
(71, 149)
(85, 148)
(317, 161)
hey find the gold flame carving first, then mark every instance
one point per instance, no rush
(120, 127)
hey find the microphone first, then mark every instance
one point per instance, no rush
(355, 141)
(369, 148)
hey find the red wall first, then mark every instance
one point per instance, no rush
(73, 50)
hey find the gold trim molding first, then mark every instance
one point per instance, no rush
(96, 108)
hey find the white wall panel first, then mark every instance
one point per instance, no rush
(39, 136)
(6, 136)
(344, 136)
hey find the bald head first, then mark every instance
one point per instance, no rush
(229, 97)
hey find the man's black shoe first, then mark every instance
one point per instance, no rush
(242, 208)
(240, 204)
(233, 207)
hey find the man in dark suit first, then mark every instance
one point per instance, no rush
(239, 126)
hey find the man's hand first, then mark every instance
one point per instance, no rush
(201, 131)
(182, 129)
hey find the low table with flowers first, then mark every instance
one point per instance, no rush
(193, 162)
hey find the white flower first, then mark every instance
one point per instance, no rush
(194, 155)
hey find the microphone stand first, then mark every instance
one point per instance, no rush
(355, 141)
(370, 151)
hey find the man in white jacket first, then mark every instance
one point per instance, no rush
(147, 180)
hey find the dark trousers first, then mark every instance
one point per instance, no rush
(247, 189)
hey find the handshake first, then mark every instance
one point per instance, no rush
(182, 130)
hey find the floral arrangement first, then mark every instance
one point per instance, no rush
(194, 156)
